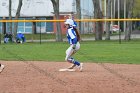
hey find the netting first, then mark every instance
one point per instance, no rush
(45, 30)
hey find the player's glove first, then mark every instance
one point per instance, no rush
(74, 46)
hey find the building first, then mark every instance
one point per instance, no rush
(43, 9)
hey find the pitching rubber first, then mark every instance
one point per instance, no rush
(65, 69)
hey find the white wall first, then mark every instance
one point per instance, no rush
(4, 7)
(67, 5)
(35, 7)
(87, 13)
(87, 8)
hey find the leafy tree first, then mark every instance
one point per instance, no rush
(136, 8)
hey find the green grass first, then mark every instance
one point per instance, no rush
(46, 36)
(101, 51)
(52, 36)
(37, 36)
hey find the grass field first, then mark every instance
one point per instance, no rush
(101, 51)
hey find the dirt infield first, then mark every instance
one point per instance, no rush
(44, 77)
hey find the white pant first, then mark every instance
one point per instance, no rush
(70, 50)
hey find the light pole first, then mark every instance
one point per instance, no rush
(114, 7)
(119, 12)
(111, 13)
(105, 14)
(40, 32)
(124, 28)
(119, 21)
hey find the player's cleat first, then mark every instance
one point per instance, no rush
(72, 66)
(1, 68)
(80, 67)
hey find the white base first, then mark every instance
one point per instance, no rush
(65, 69)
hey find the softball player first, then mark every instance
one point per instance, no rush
(1, 68)
(73, 39)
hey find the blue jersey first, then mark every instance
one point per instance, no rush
(71, 36)
(20, 35)
(75, 24)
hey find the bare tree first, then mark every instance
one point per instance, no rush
(33, 28)
(129, 24)
(10, 15)
(4, 26)
(58, 26)
(78, 10)
(17, 16)
(98, 15)
(108, 16)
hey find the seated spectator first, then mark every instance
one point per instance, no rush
(20, 38)
(8, 37)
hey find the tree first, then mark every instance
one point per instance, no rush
(17, 16)
(136, 8)
(4, 26)
(58, 26)
(78, 10)
(33, 28)
(108, 16)
(10, 16)
(98, 15)
(129, 23)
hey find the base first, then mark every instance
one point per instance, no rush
(66, 69)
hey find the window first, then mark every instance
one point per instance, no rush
(41, 26)
(28, 26)
(21, 26)
(49, 25)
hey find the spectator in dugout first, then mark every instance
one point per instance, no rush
(8, 37)
(20, 38)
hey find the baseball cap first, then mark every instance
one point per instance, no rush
(69, 21)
